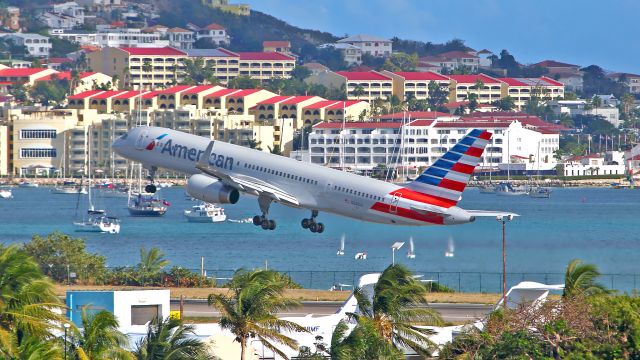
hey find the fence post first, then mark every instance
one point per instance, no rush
(634, 281)
(459, 276)
(546, 278)
(480, 281)
(310, 279)
(611, 281)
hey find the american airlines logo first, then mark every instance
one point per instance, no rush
(152, 144)
(193, 154)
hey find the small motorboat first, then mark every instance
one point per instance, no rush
(205, 213)
(450, 252)
(540, 193)
(341, 250)
(5, 194)
(27, 184)
(506, 189)
(411, 253)
(361, 256)
(69, 187)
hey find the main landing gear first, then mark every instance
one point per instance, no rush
(262, 220)
(151, 188)
(311, 223)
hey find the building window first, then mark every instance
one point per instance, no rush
(38, 134)
(27, 153)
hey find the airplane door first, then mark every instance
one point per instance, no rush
(141, 140)
(393, 205)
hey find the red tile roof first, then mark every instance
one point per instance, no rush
(108, 94)
(245, 92)
(421, 122)
(457, 104)
(276, 44)
(129, 94)
(457, 55)
(512, 82)
(345, 104)
(320, 104)
(274, 56)
(150, 95)
(223, 92)
(163, 51)
(198, 89)
(471, 79)
(65, 75)
(274, 100)
(553, 64)
(58, 60)
(297, 99)
(551, 81)
(214, 26)
(21, 72)
(363, 75)
(421, 75)
(358, 125)
(175, 89)
(412, 115)
(85, 94)
(469, 123)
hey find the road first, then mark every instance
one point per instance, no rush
(455, 313)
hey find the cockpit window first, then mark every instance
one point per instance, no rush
(124, 136)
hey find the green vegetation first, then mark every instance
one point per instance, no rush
(99, 339)
(580, 279)
(169, 339)
(250, 308)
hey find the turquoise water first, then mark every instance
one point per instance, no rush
(597, 225)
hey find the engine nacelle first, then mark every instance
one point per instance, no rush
(211, 190)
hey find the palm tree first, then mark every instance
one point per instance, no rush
(197, 72)
(29, 308)
(151, 263)
(169, 339)
(100, 338)
(250, 310)
(580, 279)
(397, 305)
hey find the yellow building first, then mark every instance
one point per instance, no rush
(463, 85)
(335, 111)
(283, 107)
(135, 67)
(522, 89)
(237, 9)
(415, 84)
(359, 85)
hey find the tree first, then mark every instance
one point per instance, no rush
(300, 73)
(61, 47)
(151, 264)
(244, 82)
(197, 72)
(30, 311)
(169, 339)
(146, 69)
(57, 251)
(251, 307)
(358, 91)
(255, 144)
(399, 61)
(626, 105)
(47, 92)
(505, 104)
(396, 305)
(364, 342)
(100, 338)
(438, 96)
(473, 102)
(580, 279)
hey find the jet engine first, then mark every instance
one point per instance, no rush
(206, 188)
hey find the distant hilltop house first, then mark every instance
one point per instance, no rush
(451, 60)
(351, 54)
(237, 9)
(12, 18)
(370, 45)
(36, 44)
(100, 5)
(216, 33)
(63, 16)
(631, 81)
(277, 46)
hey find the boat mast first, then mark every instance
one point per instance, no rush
(89, 166)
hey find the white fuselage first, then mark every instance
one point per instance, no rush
(315, 187)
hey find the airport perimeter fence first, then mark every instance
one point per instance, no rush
(472, 282)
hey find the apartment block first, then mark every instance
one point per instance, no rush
(413, 84)
(36, 44)
(359, 85)
(225, 64)
(26, 76)
(335, 111)
(463, 85)
(522, 89)
(370, 45)
(129, 64)
(290, 107)
(264, 65)
(180, 38)
(215, 33)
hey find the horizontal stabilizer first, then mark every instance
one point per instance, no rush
(489, 213)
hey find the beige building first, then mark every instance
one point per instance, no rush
(284, 107)
(26, 76)
(359, 85)
(86, 80)
(463, 85)
(239, 103)
(415, 84)
(130, 65)
(335, 111)
(522, 89)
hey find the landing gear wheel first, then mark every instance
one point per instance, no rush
(151, 189)
(257, 220)
(272, 225)
(265, 224)
(319, 228)
(313, 227)
(305, 223)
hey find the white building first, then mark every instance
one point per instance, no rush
(370, 45)
(36, 45)
(216, 34)
(364, 146)
(64, 16)
(594, 164)
(351, 54)
(577, 107)
(113, 37)
(180, 38)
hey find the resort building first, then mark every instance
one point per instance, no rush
(279, 107)
(463, 85)
(413, 84)
(359, 85)
(592, 164)
(452, 60)
(26, 76)
(522, 89)
(335, 111)
(370, 45)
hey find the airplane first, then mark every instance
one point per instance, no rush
(220, 172)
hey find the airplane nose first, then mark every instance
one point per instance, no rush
(119, 143)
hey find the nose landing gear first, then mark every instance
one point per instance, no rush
(311, 224)
(151, 188)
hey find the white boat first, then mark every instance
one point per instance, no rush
(341, 250)
(5, 194)
(506, 189)
(26, 184)
(361, 256)
(69, 187)
(99, 223)
(411, 253)
(487, 189)
(164, 184)
(205, 213)
(145, 204)
(450, 252)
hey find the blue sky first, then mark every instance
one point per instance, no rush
(580, 32)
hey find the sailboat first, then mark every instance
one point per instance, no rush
(145, 204)
(411, 253)
(537, 191)
(506, 187)
(341, 250)
(489, 188)
(97, 219)
(450, 252)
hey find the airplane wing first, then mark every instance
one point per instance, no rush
(489, 213)
(245, 183)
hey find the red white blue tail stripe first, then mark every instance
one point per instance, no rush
(449, 175)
